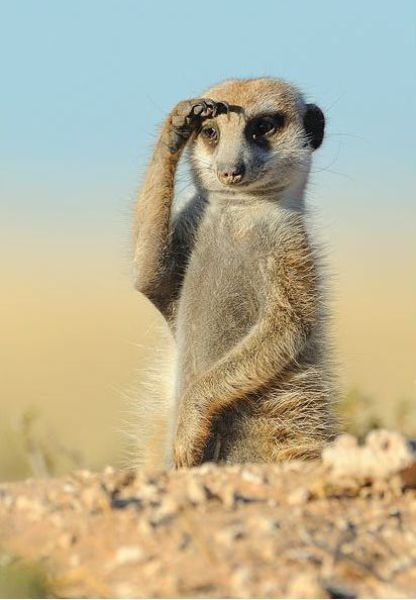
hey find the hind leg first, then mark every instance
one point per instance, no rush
(293, 421)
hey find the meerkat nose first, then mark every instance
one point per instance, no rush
(231, 175)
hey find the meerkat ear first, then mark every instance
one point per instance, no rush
(314, 123)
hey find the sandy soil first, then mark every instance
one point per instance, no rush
(342, 527)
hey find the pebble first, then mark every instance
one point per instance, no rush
(145, 527)
(252, 477)
(228, 496)
(128, 554)
(7, 500)
(197, 492)
(299, 496)
(240, 580)
(165, 512)
(231, 534)
(56, 519)
(207, 468)
(124, 590)
(83, 475)
(74, 561)
(33, 508)
(90, 497)
(148, 492)
(65, 540)
(69, 488)
(305, 585)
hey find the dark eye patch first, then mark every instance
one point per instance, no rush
(262, 127)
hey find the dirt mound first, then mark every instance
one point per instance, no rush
(343, 527)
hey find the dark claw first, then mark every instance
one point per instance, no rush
(198, 109)
(222, 108)
(209, 107)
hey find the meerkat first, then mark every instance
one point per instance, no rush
(237, 277)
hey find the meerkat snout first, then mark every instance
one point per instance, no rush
(231, 174)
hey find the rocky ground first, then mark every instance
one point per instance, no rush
(341, 528)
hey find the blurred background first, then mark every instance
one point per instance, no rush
(84, 87)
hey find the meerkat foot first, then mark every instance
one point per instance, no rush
(191, 437)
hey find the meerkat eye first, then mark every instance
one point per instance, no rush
(209, 133)
(263, 127)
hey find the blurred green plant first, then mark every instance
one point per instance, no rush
(34, 450)
(360, 413)
(19, 579)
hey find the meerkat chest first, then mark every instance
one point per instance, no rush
(222, 288)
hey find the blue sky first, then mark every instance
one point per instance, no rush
(86, 83)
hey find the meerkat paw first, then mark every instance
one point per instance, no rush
(191, 437)
(186, 455)
(188, 115)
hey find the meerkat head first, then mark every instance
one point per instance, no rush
(261, 140)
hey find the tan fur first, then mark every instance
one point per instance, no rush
(149, 404)
(237, 278)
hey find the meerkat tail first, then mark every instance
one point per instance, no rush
(151, 432)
